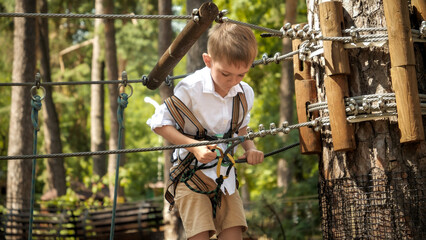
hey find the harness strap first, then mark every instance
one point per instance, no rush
(183, 173)
(175, 176)
(175, 106)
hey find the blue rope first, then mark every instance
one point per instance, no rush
(122, 104)
(36, 106)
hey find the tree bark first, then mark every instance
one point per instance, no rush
(374, 190)
(286, 92)
(112, 73)
(194, 59)
(52, 136)
(97, 129)
(20, 128)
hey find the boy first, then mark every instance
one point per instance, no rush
(209, 94)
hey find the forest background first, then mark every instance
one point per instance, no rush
(295, 205)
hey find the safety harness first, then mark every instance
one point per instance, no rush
(184, 172)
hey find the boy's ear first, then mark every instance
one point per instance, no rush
(207, 60)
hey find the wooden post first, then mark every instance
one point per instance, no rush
(419, 9)
(306, 92)
(336, 67)
(181, 45)
(403, 72)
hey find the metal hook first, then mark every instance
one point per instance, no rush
(34, 92)
(124, 86)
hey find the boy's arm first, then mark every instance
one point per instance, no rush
(171, 134)
(253, 155)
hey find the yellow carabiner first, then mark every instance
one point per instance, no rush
(219, 163)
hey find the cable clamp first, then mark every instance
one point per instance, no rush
(354, 34)
(264, 58)
(221, 16)
(423, 29)
(195, 15)
(276, 56)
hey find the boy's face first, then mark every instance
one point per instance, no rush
(225, 75)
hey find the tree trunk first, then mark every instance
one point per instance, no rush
(173, 229)
(52, 136)
(21, 128)
(97, 130)
(194, 59)
(112, 71)
(286, 92)
(374, 191)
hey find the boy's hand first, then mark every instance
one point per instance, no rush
(253, 156)
(204, 154)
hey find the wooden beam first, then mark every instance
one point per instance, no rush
(181, 45)
(306, 93)
(403, 73)
(336, 67)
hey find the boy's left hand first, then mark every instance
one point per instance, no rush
(253, 156)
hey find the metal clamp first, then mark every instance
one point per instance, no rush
(423, 29)
(265, 58)
(354, 34)
(195, 15)
(37, 85)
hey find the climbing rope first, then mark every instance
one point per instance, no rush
(104, 16)
(35, 107)
(122, 104)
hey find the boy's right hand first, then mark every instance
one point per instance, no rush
(204, 154)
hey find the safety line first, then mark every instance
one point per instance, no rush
(104, 16)
(122, 104)
(35, 107)
(22, 84)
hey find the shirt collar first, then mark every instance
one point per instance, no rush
(208, 86)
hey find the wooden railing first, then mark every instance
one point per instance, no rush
(132, 221)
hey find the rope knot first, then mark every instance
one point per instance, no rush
(36, 106)
(219, 180)
(123, 100)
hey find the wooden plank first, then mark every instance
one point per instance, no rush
(336, 67)
(403, 74)
(342, 132)
(331, 19)
(306, 92)
(181, 45)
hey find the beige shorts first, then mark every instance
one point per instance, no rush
(196, 212)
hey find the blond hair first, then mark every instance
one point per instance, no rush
(233, 43)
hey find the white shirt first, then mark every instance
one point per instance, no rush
(213, 111)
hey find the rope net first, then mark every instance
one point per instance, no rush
(389, 206)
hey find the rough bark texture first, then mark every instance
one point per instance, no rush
(374, 191)
(97, 130)
(21, 128)
(173, 229)
(112, 74)
(194, 59)
(52, 135)
(286, 92)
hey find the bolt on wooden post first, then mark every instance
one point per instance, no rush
(403, 72)
(336, 68)
(306, 93)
